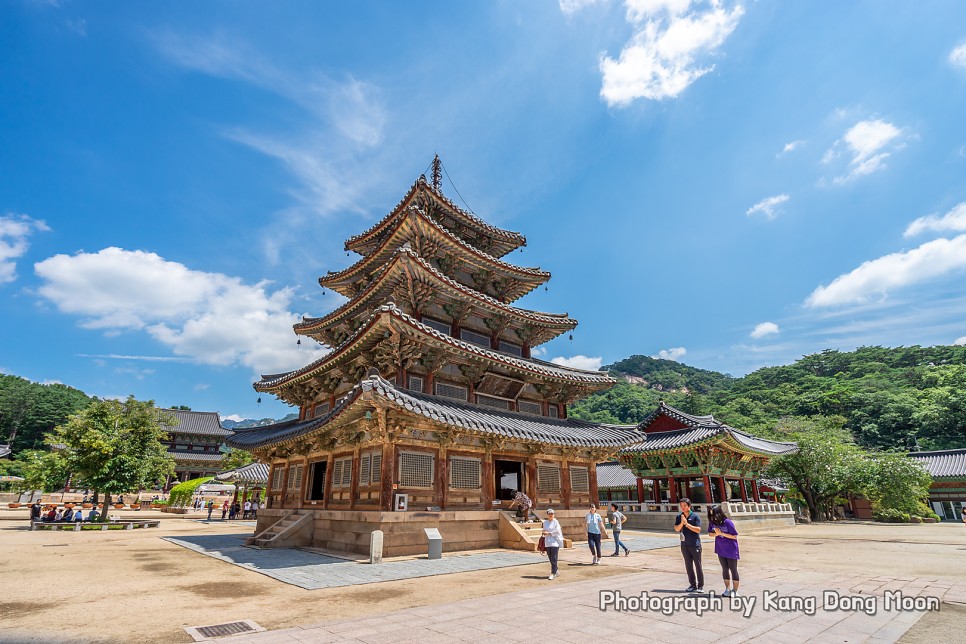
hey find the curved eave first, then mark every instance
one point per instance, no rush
(341, 281)
(506, 240)
(560, 322)
(592, 380)
(680, 439)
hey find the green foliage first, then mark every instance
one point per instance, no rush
(45, 471)
(236, 458)
(116, 447)
(181, 493)
(29, 410)
(890, 399)
(891, 515)
(896, 482)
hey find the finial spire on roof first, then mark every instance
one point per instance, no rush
(437, 174)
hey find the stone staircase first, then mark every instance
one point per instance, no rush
(285, 532)
(522, 536)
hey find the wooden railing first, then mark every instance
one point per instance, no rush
(731, 507)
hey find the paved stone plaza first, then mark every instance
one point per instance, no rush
(312, 570)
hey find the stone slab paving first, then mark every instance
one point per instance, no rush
(313, 570)
(555, 611)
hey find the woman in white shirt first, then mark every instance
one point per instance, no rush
(552, 541)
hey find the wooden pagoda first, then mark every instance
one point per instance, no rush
(430, 400)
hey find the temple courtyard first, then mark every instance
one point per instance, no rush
(150, 585)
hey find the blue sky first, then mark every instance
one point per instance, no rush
(729, 184)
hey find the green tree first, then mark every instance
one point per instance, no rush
(828, 463)
(44, 471)
(896, 482)
(116, 447)
(235, 458)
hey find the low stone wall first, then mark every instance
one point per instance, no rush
(349, 530)
(750, 517)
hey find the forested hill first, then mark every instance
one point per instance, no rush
(251, 422)
(889, 397)
(28, 410)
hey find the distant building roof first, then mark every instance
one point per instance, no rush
(205, 423)
(614, 475)
(948, 464)
(186, 457)
(4, 451)
(256, 473)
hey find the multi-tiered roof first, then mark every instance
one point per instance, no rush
(431, 310)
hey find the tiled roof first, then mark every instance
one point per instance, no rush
(560, 320)
(534, 276)
(539, 367)
(185, 457)
(512, 239)
(949, 463)
(204, 423)
(474, 418)
(252, 473)
(614, 475)
(4, 450)
(658, 441)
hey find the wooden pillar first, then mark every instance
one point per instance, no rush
(594, 495)
(489, 480)
(304, 483)
(327, 486)
(526, 351)
(354, 479)
(673, 488)
(724, 489)
(754, 491)
(531, 482)
(386, 477)
(640, 490)
(656, 490)
(428, 383)
(268, 484)
(565, 487)
(442, 481)
(285, 475)
(744, 494)
(332, 401)
(562, 410)
(707, 489)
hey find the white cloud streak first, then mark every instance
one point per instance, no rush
(675, 353)
(660, 60)
(876, 278)
(957, 56)
(570, 7)
(866, 143)
(768, 206)
(209, 318)
(790, 147)
(952, 221)
(960, 341)
(579, 362)
(764, 329)
(14, 232)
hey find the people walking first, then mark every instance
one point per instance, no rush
(726, 547)
(211, 508)
(224, 510)
(595, 528)
(688, 525)
(552, 541)
(617, 523)
(248, 510)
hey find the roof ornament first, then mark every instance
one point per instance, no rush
(437, 174)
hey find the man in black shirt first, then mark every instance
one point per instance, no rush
(688, 524)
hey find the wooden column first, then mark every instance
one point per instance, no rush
(754, 491)
(386, 477)
(428, 384)
(724, 489)
(489, 480)
(640, 490)
(744, 494)
(673, 488)
(442, 479)
(268, 484)
(288, 470)
(656, 490)
(531, 482)
(593, 483)
(304, 483)
(327, 486)
(708, 498)
(565, 486)
(354, 481)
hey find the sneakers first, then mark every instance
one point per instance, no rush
(690, 589)
(627, 552)
(616, 554)
(700, 589)
(734, 593)
(726, 593)
(550, 578)
(594, 562)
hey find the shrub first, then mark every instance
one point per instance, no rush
(891, 515)
(181, 493)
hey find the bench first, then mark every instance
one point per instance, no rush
(77, 526)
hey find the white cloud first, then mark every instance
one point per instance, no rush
(580, 362)
(954, 220)
(877, 277)
(78, 26)
(675, 353)
(768, 206)
(866, 142)
(538, 351)
(960, 341)
(661, 59)
(763, 329)
(957, 56)
(233, 417)
(202, 386)
(14, 232)
(570, 7)
(791, 147)
(209, 318)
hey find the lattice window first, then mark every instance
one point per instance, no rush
(415, 383)
(464, 473)
(529, 407)
(451, 391)
(443, 327)
(370, 468)
(321, 409)
(548, 478)
(342, 472)
(491, 401)
(552, 411)
(512, 349)
(415, 469)
(475, 338)
(295, 477)
(579, 479)
(277, 475)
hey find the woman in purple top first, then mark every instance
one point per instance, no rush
(726, 547)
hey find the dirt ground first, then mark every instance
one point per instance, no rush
(133, 586)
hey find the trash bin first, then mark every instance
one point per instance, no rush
(435, 543)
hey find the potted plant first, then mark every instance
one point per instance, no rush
(86, 506)
(13, 506)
